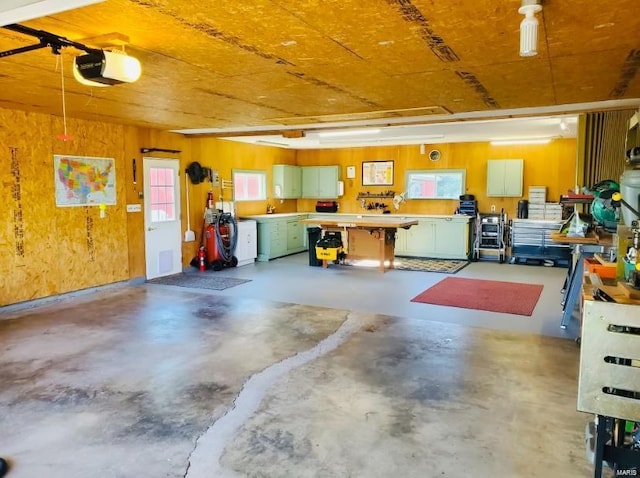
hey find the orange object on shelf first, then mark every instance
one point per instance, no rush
(605, 271)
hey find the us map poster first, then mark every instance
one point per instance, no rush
(84, 181)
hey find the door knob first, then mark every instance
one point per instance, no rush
(151, 228)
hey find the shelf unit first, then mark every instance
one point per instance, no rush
(387, 195)
(490, 236)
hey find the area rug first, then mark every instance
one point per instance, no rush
(495, 296)
(199, 280)
(444, 266)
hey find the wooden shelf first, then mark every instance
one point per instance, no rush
(388, 195)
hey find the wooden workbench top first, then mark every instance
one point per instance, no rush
(600, 238)
(375, 222)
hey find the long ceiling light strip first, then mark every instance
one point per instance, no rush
(348, 133)
(22, 10)
(529, 27)
(508, 142)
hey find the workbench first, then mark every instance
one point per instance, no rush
(367, 238)
(583, 247)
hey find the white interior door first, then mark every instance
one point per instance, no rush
(163, 240)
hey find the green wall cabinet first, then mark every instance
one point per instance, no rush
(287, 181)
(504, 177)
(320, 182)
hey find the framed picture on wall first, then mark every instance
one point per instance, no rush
(377, 173)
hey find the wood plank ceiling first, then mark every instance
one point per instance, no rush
(235, 64)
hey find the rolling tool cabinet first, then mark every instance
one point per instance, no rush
(531, 239)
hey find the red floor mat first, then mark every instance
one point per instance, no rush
(495, 296)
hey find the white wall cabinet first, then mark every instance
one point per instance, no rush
(247, 245)
(320, 182)
(444, 237)
(287, 181)
(504, 177)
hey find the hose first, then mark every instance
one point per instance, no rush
(226, 251)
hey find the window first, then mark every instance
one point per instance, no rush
(163, 204)
(435, 184)
(249, 185)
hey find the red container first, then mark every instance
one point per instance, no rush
(213, 254)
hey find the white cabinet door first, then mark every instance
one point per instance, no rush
(247, 246)
(513, 176)
(451, 239)
(401, 242)
(495, 177)
(420, 239)
(504, 177)
(438, 237)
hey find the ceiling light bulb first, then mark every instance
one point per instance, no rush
(563, 125)
(529, 30)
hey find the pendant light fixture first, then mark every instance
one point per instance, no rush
(529, 27)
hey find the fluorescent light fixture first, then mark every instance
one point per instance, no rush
(507, 142)
(348, 132)
(16, 11)
(529, 27)
(271, 143)
(105, 68)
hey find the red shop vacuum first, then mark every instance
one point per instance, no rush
(220, 239)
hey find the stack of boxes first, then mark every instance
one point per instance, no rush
(537, 199)
(553, 211)
(539, 208)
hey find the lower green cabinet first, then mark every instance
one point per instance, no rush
(444, 237)
(279, 235)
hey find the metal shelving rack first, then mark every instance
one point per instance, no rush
(490, 235)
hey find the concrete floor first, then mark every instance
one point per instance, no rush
(301, 372)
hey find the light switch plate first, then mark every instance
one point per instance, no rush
(351, 172)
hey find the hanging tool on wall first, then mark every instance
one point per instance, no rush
(134, 174)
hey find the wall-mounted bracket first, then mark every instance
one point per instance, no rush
(159, 150)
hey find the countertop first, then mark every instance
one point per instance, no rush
(381, 220)
(285, 215)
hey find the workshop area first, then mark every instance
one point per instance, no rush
(333, 239)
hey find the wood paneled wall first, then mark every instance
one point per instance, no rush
(45, 250)
(603, 145)
(224, 156)
(552, 165)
